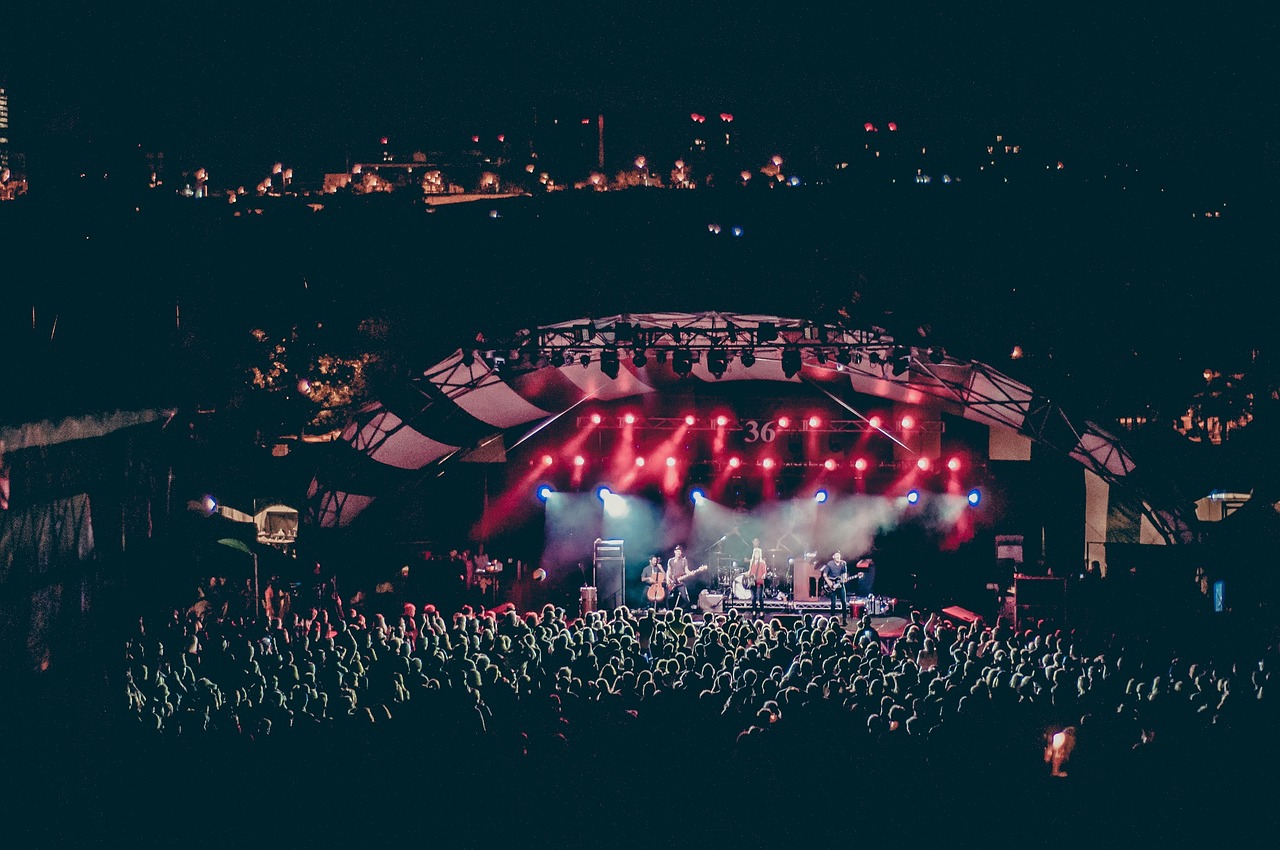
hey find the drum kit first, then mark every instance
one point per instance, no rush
(735, 581)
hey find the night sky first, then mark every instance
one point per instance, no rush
(1187, 99)
(239, 84)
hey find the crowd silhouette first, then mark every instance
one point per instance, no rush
(554, 723)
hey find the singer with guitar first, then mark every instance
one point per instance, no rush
(835, 578)
(757, 572)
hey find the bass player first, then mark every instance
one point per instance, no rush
(678, 577)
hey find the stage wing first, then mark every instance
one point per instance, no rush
(481, 392)
(387, 439)
(337, 508)
(1098, 450)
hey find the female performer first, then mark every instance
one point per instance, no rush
(757, 571)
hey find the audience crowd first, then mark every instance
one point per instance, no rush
(718, 721)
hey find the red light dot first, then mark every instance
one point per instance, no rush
(639, 461)
(579, 460)
(767, 463)
(722, 421)
(630, 419)
(689, 420)
(671, 461)
(734, 463)
(875, 422)
(814, 422)
(595, 419)
(923, 463)
(829, 464)
(784, 422)
(908, 423)
(954, 464)
(547, 460)
(860, 464)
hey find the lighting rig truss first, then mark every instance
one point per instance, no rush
(675, 423)
(716, 343)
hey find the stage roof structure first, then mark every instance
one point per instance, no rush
(463, 404)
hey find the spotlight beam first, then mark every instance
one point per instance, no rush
(842, 403)
(544, 423)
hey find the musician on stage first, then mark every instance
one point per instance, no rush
(677, 579)
(757, 571)
(833, 575)
(654, 576)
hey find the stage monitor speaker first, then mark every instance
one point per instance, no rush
(711, 603)
(610, 568)
(959, 615)
(1039, 590)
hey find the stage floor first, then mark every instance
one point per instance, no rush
(876, 606)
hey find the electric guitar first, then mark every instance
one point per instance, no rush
(829, 584)
(676, 582)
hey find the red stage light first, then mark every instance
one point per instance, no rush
(579, 460)
(734, 463)
(923, 463)
(671, 461)
(860, 464)
(814, 422)
(767, 463)
(784, 422)
(722, 420)
(689, 420)
(595, 419)
(829, 464)
(954, 464)
(547, 460)
(639, 461)
(630, 419)
(875, 422)
(908, 423)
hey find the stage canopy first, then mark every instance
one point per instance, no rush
(461, 407)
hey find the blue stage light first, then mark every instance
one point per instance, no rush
(820, 496)
(603, 492)
(975, 496)
(544, 491)
(697, 495)
(913, 496)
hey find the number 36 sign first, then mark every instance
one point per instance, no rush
(760, 431)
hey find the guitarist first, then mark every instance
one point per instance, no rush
(834, 575)
(757, 572)
(677, 579)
